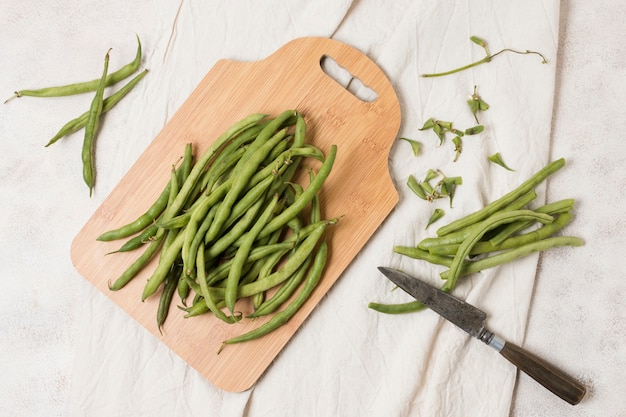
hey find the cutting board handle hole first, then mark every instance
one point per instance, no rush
(344, 78)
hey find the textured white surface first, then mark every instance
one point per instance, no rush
(67, 350)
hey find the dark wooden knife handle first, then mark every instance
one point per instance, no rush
(546, 374)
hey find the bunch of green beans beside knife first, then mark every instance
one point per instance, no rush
(232, 224)
(90, 120)
(504, 230)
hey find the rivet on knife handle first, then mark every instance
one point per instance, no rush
(555, 380)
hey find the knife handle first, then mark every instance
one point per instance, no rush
(545, 373)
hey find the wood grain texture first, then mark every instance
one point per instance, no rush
(359, 188)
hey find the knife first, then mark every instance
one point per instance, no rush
(470, 319)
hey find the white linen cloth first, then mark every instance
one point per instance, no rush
(346, 359)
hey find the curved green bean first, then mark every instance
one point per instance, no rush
(85, 87)
(552, 209)
(138, 264)
(460, 235)
(514, 241)
(491, 222)
(503, 201)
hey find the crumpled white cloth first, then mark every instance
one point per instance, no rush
(346, 359)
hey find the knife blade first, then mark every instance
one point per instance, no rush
(470, 319)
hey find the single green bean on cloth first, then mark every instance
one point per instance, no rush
(91, 130)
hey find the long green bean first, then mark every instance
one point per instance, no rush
(241, 256)
(503, 201)
(470, 267)
(91, 128)
(491, 222)
(85, 87)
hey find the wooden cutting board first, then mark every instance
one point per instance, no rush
(359, 188)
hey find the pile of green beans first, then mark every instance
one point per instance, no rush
(90, 120)
(232, 224)
(501, 232)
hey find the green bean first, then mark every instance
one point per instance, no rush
(137, 265)
(207, 295)
(268, 131)
(191, 249)
(219, 168)
(170, 235)
(238, 229)
(79, 122)
(95, 110)
(460, 235)
(242, 179)
(171, 283)
(155, 244)
(543, 232)
(149, 217)
(208, 155)
(183, 288)
(256, 254)
(196, 309)
(291, 265)
(139, 240)
(299, 134)
(177, 222)
(401, 308)
(85, 87)
(234, 275)
(245, 202)
(187, 164)
(282, 317)
(510, 229)
(416, 187)
(306, 197)
(283, 293)
(470, 267)
(166, 260)
(491, 222)
(503, 201)
(424, 255)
